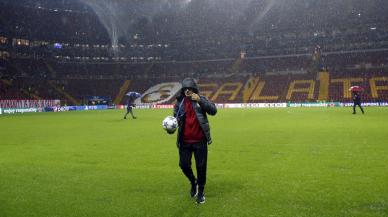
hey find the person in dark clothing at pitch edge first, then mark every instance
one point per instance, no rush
(357, 101)
(132, 96)
(193, 136)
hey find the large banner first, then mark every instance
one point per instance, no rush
(85, 107)
(160, 93)
(17, 110)
(368, 104)
(315, 104)
(27, 103)
(252, 105)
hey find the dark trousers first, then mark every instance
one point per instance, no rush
(200, 154)
(359, 105)
(129, 110)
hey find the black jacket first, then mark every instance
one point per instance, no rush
(356, 97)
(202, 108)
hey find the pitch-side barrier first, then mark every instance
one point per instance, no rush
(170, 106)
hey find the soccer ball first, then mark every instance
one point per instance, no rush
(170, 124)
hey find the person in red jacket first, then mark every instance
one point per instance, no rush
(193, 137)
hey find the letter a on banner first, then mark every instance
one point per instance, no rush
(309, 90)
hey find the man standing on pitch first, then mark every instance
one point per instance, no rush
(193, 137)
(357, 101)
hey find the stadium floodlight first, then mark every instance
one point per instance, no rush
(58, 45)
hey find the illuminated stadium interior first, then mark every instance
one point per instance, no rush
(74, 43)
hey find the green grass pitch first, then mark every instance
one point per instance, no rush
(290, 162)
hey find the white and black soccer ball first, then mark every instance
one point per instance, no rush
(170, 124)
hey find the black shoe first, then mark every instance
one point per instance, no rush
(125, 117)
(194, 189)
(354, 113)
(200, 198)
(134, 117)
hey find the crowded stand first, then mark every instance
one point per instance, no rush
(70, 56)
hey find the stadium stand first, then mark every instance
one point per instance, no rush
(73, 81)
(70, 56)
